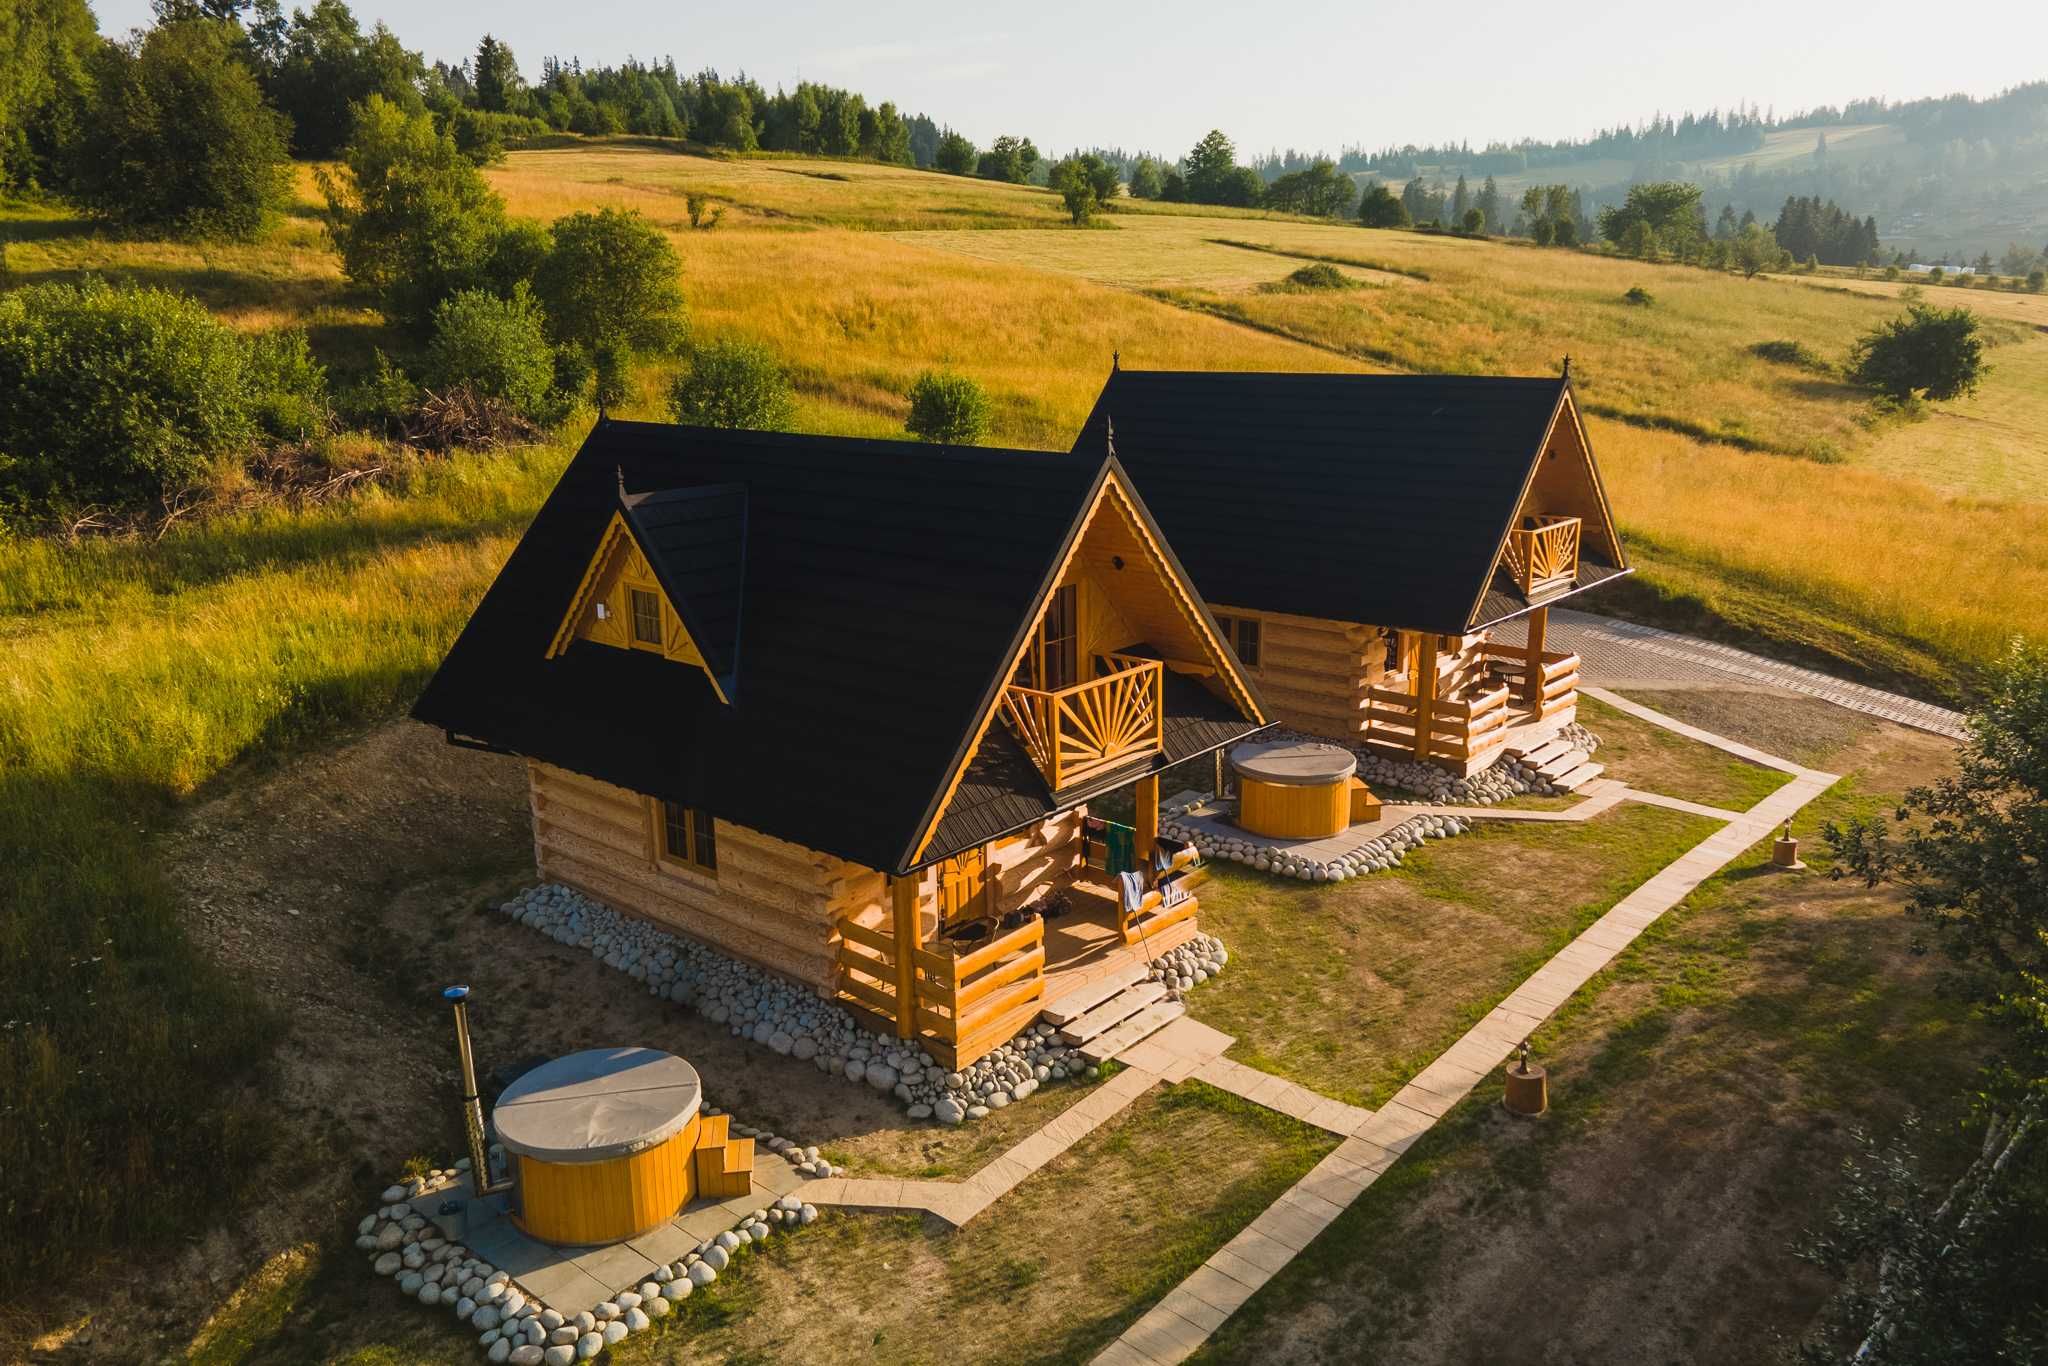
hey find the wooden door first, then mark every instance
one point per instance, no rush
(963, 886)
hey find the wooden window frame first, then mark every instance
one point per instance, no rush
(1231, 628)
(699, 855)
(1066, 604)
(633, 617)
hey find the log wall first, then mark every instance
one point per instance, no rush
(775, 904)
(1313, 673)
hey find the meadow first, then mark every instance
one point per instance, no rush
(139, 672)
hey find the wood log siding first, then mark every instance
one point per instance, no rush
(776, 904)
(1315, 673)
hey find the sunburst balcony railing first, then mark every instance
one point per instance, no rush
(1543, 555)
(1075, 732)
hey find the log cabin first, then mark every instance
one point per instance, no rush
(838, 708)
(1363, 539)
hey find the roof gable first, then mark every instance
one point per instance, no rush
(1382, 499)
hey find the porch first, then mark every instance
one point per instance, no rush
(1460, 706)
(962, 976)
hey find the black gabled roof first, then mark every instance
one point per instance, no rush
(695, 540)
(1370, 498)
(885, 586)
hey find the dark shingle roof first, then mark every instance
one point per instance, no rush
(883, 587)
(695, 539)
(1371, 498)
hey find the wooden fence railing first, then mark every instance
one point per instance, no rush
(1080, 730)
(867, 969)
(970, 1002)
(1545, 554)
(1461, 730)
(1557, 683)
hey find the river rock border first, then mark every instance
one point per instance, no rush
(512, 1328)
(1375, 855)
(1497, 782)
(798, 1022)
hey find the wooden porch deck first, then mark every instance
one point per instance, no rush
(1084, 945)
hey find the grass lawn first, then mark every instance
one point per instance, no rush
(1703, 1089)
(1050, 1273)
(1350, 989)
(1653, 759)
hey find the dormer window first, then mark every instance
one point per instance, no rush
(646, 606)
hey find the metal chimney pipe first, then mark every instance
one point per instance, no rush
(472, 1103)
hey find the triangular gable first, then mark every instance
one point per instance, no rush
(687, 548)
(1562, 479)
(1114, 491)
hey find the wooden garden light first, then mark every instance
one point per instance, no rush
(1528, 1092)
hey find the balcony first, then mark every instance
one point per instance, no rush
(1077, 732)
(1543, 554)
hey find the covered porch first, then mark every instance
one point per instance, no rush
(1460, 701)
(977, 944)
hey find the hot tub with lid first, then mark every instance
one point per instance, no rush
(604, 1141)
(1293, 789)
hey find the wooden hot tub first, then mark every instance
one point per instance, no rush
(1291, 789)
(604, 1140)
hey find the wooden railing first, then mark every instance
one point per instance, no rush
(1155, 913)
(1459, 731)
(1554, 687)
(1541, 556)
(1081, 730)
(969, 1003)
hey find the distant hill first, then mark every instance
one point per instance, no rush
(1948, 176)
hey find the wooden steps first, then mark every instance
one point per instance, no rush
(1112, 1012)
(724, 1166)
(1135, 1029)
(1080, 1001)
(1572, 779)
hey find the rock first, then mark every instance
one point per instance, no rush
(410, 1282)
(387, 1264)
(702, 1273)
(605, 1310)
(500, 1351)
(627, 1299)
(616, 1330)
(389, 1237)
(513, 1302)
(949, 1111)
(636, 1320)
(808, 1213)
(728, 1240)
(716, 1257)
(551, 1320)
(679, 1289)
(559, 1354)
(657, 1307)
(564, 1335)
(486, 1317)
(920, 1111)
(526, 1355)
(393, 1195)
(586, 1322)
(881, 1076)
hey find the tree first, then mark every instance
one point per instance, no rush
(734, 384)
(1639, 240)
(328, 66)
(1489, 203)
(1725, 228)
(610, 288)
(1084, 181)
(1209, 165)
(956, 155)
(1935, 352)
(497, 75)
(1474, 222)
(1754, 251)
(178, 138)
(1378, 207)
(1670, 209)
(1319, 190)
(498, 348)
(45, 46)
(1461, 200)
(1008, 158)
(411, 215)
(947, 408)
(1147, 179)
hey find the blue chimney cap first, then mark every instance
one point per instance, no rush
(454, 993)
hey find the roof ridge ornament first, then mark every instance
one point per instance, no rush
(1567, 367)
(620, 470)
(1116, 359)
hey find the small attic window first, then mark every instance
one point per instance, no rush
(646, 609)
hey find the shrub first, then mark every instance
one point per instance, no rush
(609, 285)
(1321, 276)
(1380, 207)
(117, 396)
(1474, 222)
(177, 137)
(733, 383)
(2037, 280)
(496, 347)
(1638, 296)
(947, 408)
(382, 399)
(287, 387)
(1796, 354)
(1930, 351)
(1891, 272)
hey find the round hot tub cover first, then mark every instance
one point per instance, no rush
(598, 1104)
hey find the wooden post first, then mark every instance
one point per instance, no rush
(903, 891)
(1425, 691)
(1532, 659)
(1146, 799)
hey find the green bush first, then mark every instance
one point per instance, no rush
(1793, 353)
(947, 408)
(382, 399)
(497, 347)
(2037, 280)
(177, 137)
(120, 396)
(610, 287)
(1935, 352)
(1637, 295)
(1321, 276)
(733, 383)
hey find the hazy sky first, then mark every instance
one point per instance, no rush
(1309, 74)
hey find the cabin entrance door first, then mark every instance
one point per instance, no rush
(963, 886)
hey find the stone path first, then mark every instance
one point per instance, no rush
(1183, 1320)
(1619, 654)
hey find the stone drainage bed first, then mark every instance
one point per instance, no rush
(513, 1324)
(798, 1022)
(1433, 786)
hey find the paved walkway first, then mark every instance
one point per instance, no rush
(1620, 654)
(1183, 1320)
